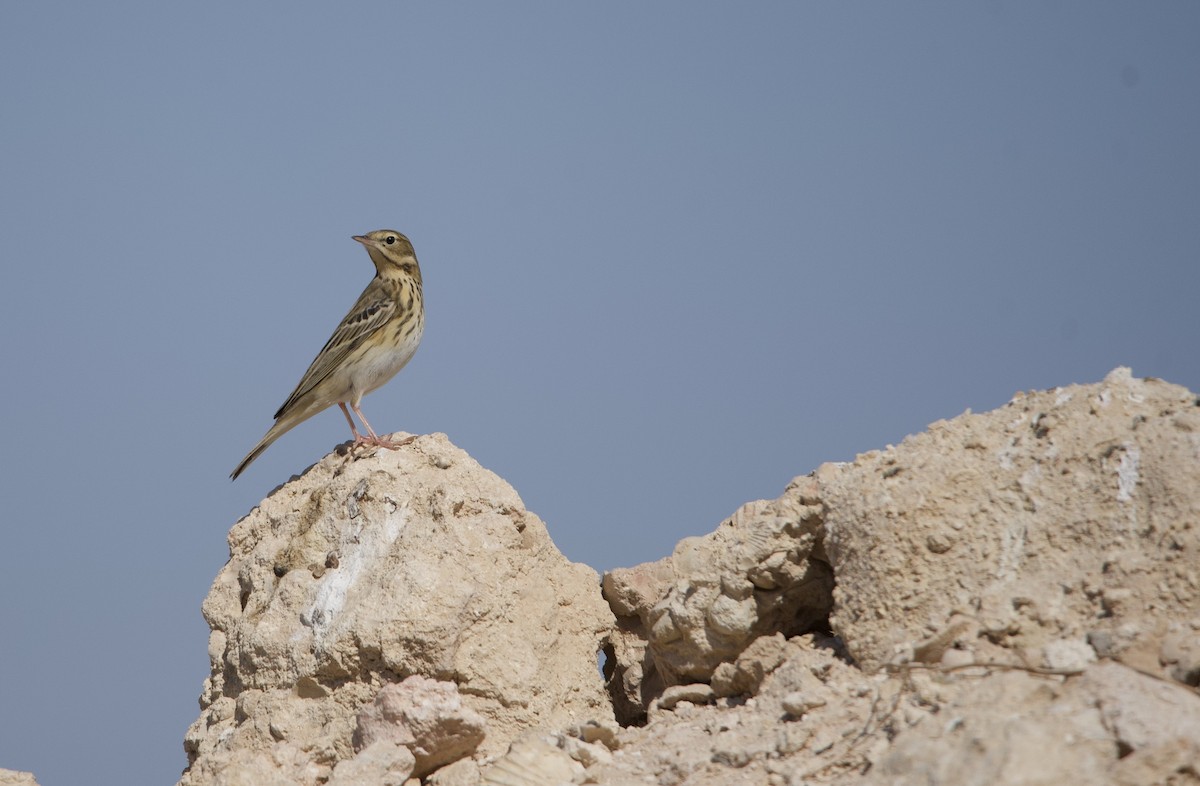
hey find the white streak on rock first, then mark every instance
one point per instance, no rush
(1127, 472)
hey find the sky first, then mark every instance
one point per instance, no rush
(675, 254)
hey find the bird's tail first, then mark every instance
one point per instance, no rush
(281, 427)
(258, 451)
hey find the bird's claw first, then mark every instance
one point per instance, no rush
(380, 442)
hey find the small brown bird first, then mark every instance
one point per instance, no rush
(374, 341)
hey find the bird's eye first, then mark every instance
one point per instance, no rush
(390, 239)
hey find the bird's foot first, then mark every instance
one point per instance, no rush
(380, 442)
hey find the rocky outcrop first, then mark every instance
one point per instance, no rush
(763, 571)
(16, 778)
(1110, 725)
(365, 571)
(1017, 596)
(425, 716)
(1010, 597)
(1062, 527)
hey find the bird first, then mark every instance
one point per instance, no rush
(376, 338)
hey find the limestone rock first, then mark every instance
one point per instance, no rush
(746, 674)
(696, 693)
(277, 765)
(533, 761)
(1067, 514)
(1011, 728)
(1140, 713)
(1056, 533)
(762, 571)
(750, 740)
(381, 763)
(1173, 764)
(1016, 602)
(464, 772)
(16, 778)
(427, 716)
(1180, 652)
(1014, 728)
(364, 571)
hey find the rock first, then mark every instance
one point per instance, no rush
(762, 571)
(1176, 762)
(1180, 653)
(464, 772)
(533, 761)
(1009, 729)
(586, 753)
(1140, 713)
(629, 589)
(427, 716)
(1051, 532)
(1014, 728)
(1068, 654)
(383, 763)
(1015, 603)
(746, 674)
(747, 741)
(278, 765)
(1068, 511)
(798, 702)
(360, 573)
(16, 778)
(697, 693)
(606, 734)
(629, 670)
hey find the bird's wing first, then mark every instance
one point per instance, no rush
(375, 306)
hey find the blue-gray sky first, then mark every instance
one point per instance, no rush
(675, 254)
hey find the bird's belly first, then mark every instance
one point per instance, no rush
(380, 366)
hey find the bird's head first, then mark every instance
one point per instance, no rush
(390, 251)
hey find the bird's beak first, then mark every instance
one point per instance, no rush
(366, 241)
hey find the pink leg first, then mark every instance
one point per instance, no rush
(375, 439)
(358, 438)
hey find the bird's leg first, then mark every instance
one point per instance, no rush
(358, 438)
(375, 439)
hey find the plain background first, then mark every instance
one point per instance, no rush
(674, 254)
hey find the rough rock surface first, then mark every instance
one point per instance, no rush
(16, 778)
(1062, 526)
(427, 716)
(381, 763)
(1055, 539)
(1008, 598)
(362, 572)
(762, 571)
